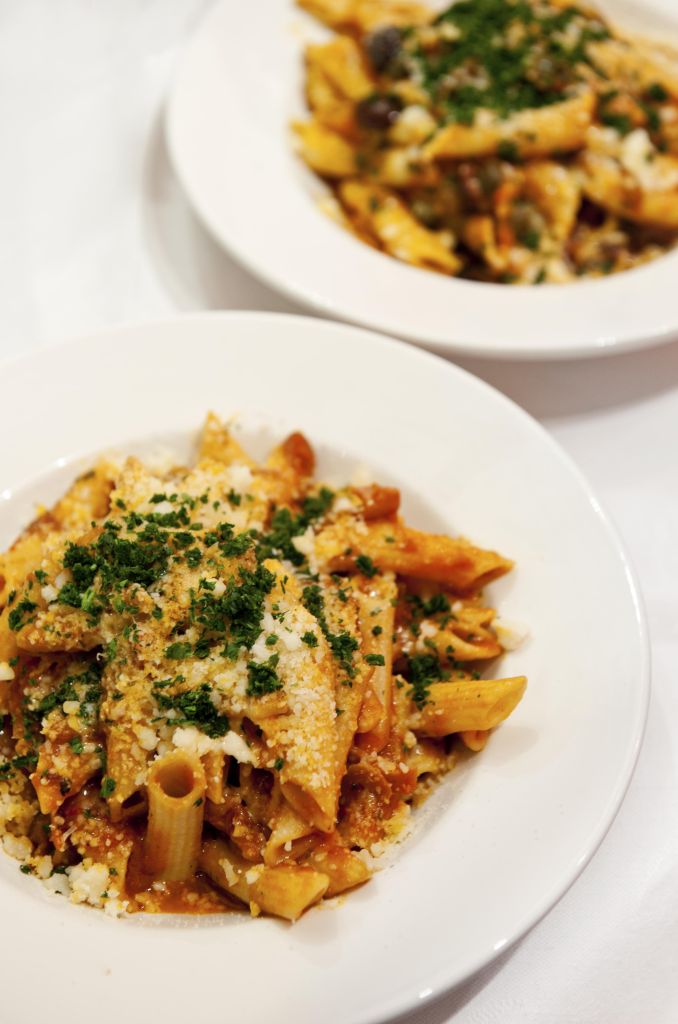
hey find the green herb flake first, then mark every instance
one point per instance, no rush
(262, 677)
(107, 787)
(366, 566)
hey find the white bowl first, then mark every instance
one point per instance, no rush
(502, 838)
(237, 88)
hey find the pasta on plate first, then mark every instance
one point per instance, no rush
(226, 685)
(511, 141)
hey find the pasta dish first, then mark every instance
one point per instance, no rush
(509, 141)
(226, 685)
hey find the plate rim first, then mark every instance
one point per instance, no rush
(446, 978)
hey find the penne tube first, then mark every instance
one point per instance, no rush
(475, 739)
(285, 891)
(342, 63)
(606, 182)
(371, 711)
(288, 468)
(214, 764)
(325, 151)
(467, 705)
(558, 128)
(453, 648)
(344, 869)
(640, 65)
(288, 833)
(126, 763)
(377, 501)
(381, 212)
(218, 444)
(176, 800)
(363, 15)
(377, 615)
(394, 547)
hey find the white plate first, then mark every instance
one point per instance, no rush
(239, 85)
(502, 839)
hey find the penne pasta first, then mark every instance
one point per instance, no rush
(394, 547)
(377, 621)
(467, 705)
(231, 687)
(176, 798)
(282, 891)
(469, 152)
(535, 133)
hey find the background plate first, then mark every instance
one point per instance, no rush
(237, 88)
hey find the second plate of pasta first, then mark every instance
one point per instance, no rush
(488, 177)
(233, 649)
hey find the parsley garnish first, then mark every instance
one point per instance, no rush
(343, 644)
(195, 707)
(107, 787)
(423, 669)
(366, 566)
(262, 677)
(20, 616)
(277, 542)
(178, 650)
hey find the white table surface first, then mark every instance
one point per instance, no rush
(94, 230)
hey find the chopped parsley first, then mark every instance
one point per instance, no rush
(262, 677)
(620, 122)
(504, 57)
(107, 787)
(423, 669)
(192, 707)
(657, 93)
(375, 659)
(342, 645)
(285, 526)
(366, 566)
(179, 650)
(20, 616)
(25, 763)
(508, 150)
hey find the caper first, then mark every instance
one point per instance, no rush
(382, 47)
(379, 111)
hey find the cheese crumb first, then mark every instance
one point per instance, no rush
(88, 883)
(510, 635)
(49, 593)
(229, 871)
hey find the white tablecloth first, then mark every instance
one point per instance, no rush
(94, 230)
